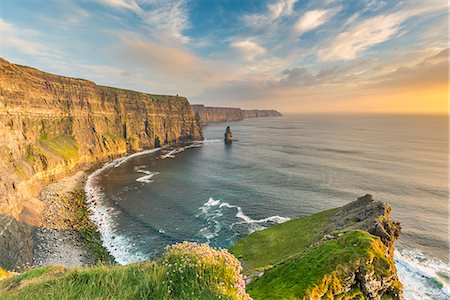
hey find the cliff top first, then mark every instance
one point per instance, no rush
(296, 257)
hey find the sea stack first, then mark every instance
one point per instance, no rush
(228, 136)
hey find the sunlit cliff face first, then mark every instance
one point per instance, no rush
(291, 55)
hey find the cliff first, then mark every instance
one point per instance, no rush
(344, 253)
(51, 126)
(258, 113)
(207, 114)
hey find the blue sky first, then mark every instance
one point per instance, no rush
(286, 54)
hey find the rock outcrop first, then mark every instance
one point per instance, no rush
(207, 114)
(371, 216)
(52, 126)
(228, 136)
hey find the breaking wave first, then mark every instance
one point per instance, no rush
(422, 278)
(147, 178)
(220, 216)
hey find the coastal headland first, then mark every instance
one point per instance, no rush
(209, 114)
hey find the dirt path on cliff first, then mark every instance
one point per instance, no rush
(58, 242)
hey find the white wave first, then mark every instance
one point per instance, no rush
(118, 245)
(422, 277)
(120, 161)
(210, 141)
(171, 153)
(148, 175)
(147, 178)
(212, 211)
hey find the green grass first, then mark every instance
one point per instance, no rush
(268, 247)
(185, 271)
(63, 146)
(323, 270)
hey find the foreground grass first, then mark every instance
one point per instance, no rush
(186, 271)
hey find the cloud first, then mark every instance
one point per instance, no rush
(312, 19)
(171, 60)
(347, 45)
(122, 4)
(25, 41)
(274, 11)
(168, 20)
(432, 71)
(248, 49)
(281, 8)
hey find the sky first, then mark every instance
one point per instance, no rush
(291, 55)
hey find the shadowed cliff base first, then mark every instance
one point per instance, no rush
(53, 126)
(207, 114)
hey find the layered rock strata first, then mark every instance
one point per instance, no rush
(52, 126)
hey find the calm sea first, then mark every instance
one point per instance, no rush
(285, 168)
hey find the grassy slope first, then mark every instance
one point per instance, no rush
(264, 248)
(323, 270)
(185, 271)
(298, 263)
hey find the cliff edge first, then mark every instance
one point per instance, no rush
(344, 253)
(52, 126)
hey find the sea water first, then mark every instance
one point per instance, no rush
(284, 168)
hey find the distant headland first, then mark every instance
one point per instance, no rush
(209, 114)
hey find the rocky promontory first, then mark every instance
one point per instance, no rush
(343, 253)
(208, 114)
(52, 126)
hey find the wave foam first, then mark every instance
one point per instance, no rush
(118, 245)
(212, 211)
(422, 278)
(120, 161)
(148, 175)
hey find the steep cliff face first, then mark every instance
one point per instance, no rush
(207, 114)
(52, 125)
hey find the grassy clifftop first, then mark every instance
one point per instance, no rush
(325, 255)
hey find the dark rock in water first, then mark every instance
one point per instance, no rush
(228, 136)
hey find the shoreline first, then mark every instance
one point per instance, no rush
(71, 234)
(68, 237)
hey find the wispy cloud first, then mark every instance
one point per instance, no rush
(248, 49)
(347, 45)
(131, 5)
(24, 40)
(168, 20)
(274, 10)
(312, 19)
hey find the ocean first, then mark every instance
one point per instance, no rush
(282, 168)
